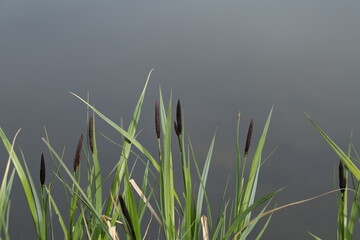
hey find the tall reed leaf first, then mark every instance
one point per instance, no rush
(349, 164)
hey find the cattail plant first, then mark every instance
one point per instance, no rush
(178, 122)
(42, 171)
(248, 137)
(91, 134)
(77, 156)
(342, 178)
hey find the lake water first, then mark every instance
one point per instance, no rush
(219, 58)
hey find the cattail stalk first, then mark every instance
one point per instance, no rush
(157, 119)
(91, 134)
(248, 137)
(127, 216)
(77, 156)
(342, 178)
(42, 170)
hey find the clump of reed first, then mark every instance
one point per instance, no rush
(179, 215)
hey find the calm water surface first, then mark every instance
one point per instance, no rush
(219, 58)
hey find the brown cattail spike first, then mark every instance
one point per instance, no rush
(248, 137)
(42, 170)
(176, 129)
(91, 134)
(157, 119)
(127, 216)
(77, 156)
(342, 178)
(178, 119)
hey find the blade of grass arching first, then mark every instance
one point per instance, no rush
(251, 185)
(83, 195)
(167, 180)
(349, 164)
(24, 182)
(316, 238)
(246, 211)
(60, 218)
(122, 131)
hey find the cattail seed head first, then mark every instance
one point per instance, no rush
(157, 119)
(42, 170)
(127, 216)
(91, 134)
(176, 129)
(178, 122)
(77, 156)
(248, 137)
(342, 178)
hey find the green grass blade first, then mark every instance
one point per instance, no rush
(204, 178)
(317, 238)
(264, 228)
(354, 214)
(349, 164)
(41, 221)
(122, 131)
(97, 172)
(167, 180)
(202, 190)
(243, 235)
(251, 186)
(239, 175)
(60, 218)
(24, 182)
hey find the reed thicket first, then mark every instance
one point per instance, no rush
(95, 212)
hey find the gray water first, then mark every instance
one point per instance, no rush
(219, 58)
